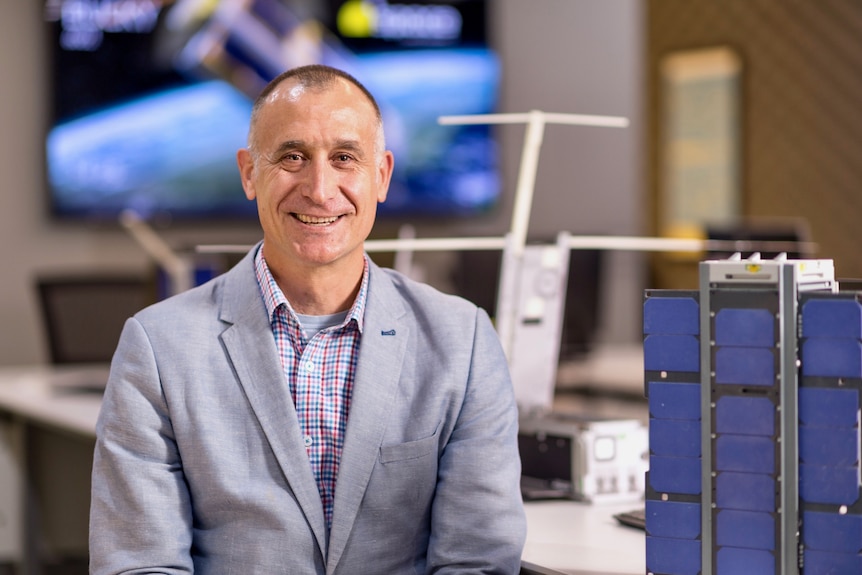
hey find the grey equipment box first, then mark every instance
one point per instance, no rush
(583, 458)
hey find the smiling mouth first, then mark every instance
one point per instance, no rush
(314, 220)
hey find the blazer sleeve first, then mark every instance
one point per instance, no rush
(478, 521)
(140, 515)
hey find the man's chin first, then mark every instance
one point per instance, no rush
(329, 255)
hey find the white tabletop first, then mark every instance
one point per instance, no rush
(583, 539)
(54, 397)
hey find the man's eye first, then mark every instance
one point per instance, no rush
(343, 157)
(291, 161)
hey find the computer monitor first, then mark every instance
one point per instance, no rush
(83, 315)
(149, 101)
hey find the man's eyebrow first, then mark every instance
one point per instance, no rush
(288, 145)
(351, 146)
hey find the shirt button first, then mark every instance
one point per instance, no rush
(308, 441)
(309, 366)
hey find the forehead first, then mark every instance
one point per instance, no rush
(335, 103)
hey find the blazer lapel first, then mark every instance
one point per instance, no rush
(384, 341)
(250, 345)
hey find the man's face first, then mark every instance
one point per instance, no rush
(318, 176)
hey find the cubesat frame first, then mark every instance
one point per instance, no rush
(753, 383)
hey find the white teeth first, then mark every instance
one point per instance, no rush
(314, 219)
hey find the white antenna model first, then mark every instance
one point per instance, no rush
(532, 285)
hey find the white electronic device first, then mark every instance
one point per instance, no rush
(583, 458)
(529, 316)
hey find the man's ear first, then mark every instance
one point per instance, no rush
(384, 173)
(245, 162)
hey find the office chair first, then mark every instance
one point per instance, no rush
(83, 315)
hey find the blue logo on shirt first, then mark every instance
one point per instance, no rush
(389, 332)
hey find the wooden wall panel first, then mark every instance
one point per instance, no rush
(801, 101)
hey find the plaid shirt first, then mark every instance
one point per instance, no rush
(319, 373)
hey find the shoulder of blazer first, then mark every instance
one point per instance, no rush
(234, 294)
(388, 286)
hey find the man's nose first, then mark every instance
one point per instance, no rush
(320, 184)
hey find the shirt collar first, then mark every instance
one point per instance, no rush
(273, 297)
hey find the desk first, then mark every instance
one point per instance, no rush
(615, 368)
(47, 435)
(41, 407)
(53, 397)
(583, 539)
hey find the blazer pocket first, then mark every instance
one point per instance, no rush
(410, 450)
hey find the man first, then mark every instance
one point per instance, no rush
(309, 412)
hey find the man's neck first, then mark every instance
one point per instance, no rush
(319, 290)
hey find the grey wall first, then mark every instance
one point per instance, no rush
(583, 57)
(578, 56)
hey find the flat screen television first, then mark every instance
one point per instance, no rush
(151, 99)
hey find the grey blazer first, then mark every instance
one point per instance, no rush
(200, 465)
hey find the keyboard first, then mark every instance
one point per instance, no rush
(634, 518)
